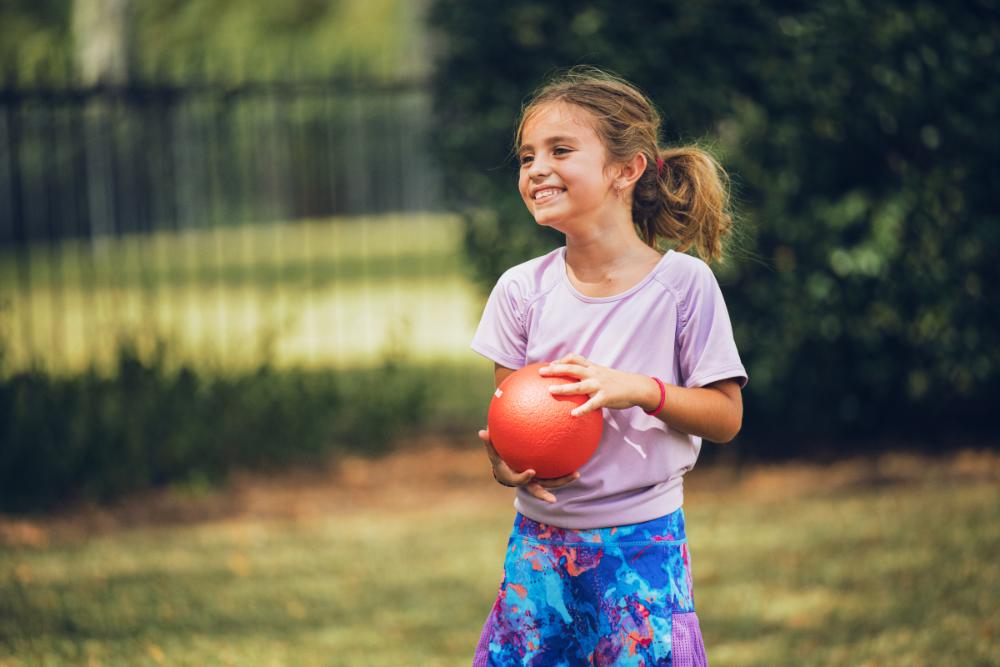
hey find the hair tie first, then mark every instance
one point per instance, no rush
(659, 166)
(663, 397)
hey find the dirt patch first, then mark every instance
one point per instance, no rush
(782, 481)
(445, 473)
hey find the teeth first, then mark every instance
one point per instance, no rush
(544, 194)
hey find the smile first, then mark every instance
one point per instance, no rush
(545, 195)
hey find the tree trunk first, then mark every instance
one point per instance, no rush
(103, 41)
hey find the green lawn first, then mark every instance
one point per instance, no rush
(893, 574)
(334, 292)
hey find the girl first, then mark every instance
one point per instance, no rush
(597, 570)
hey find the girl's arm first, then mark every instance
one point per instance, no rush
(500, 373)
(713, 412)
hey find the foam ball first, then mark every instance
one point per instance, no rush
(531, 428)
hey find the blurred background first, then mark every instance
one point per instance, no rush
(242, 243)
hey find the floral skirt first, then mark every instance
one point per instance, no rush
(608, 596)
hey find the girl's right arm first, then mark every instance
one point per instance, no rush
(500, 373)
(505, 475)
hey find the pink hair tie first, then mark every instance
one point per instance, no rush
(663, 397)
(659, 172)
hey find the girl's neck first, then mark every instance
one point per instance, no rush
(602, 254)
(605, 262)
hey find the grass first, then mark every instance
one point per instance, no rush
(400, 569)
(314, 293)
(878, 577)
(362, 590)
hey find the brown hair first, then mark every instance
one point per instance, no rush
(686, 202)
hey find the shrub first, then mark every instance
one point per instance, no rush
(95, 437)
(858, 136)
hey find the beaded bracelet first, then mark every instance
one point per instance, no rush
(663, 397)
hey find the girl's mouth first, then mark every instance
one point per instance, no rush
(546, 195)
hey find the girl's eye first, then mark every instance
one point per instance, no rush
(560, 150)
(526, 159)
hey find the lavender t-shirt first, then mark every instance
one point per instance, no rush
(673, 324)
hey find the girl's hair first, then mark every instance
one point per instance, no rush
(686, 202)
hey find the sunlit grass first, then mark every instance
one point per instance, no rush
(900, 575)
(369, 589)
(333, 292)
(309, 251)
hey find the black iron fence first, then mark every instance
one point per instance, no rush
(105, 161)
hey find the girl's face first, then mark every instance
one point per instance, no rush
(563, 179)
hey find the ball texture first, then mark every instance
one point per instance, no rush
(531, 428)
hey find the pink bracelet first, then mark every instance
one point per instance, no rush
(663, 397)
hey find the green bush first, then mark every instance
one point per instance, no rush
(859, 137)
(96, 437)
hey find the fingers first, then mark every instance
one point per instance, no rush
(519, 478)
(596, 402)
(572, 364)
(503, 472)
(557, 482)
(539, 488)
(565, 370)
(526, 478)
(585, 387)
(538, 491)
(574, 359)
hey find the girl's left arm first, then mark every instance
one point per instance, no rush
(713, 412)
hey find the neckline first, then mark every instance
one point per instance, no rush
(614, 297)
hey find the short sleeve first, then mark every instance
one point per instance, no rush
(501, 334)
(706, 349)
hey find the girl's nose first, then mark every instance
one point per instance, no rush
(539, 168)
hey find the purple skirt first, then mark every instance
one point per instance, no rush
(608, 596)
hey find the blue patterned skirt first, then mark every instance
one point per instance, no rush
(609, 596)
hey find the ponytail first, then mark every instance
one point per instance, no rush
(684, 202)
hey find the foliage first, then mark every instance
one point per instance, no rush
(858, 138)
(230, 39)
(96, 437)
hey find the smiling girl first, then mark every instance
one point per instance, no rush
(597, 569)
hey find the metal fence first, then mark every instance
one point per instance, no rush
(118, 206)
(98, 161)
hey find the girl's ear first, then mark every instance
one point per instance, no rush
(630, 171)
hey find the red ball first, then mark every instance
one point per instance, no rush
(531, 428)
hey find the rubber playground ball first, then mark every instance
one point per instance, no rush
(531, 428)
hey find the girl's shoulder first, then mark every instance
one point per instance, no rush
(533, 277)
(682, 272)
(694, 287)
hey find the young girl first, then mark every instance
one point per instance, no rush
(597, 570)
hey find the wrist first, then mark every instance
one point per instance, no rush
(656, 396)
(648, 392)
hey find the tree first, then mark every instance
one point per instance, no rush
(858, 137)
(103, 39)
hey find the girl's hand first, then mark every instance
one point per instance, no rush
(506, 476)
(606, 387)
